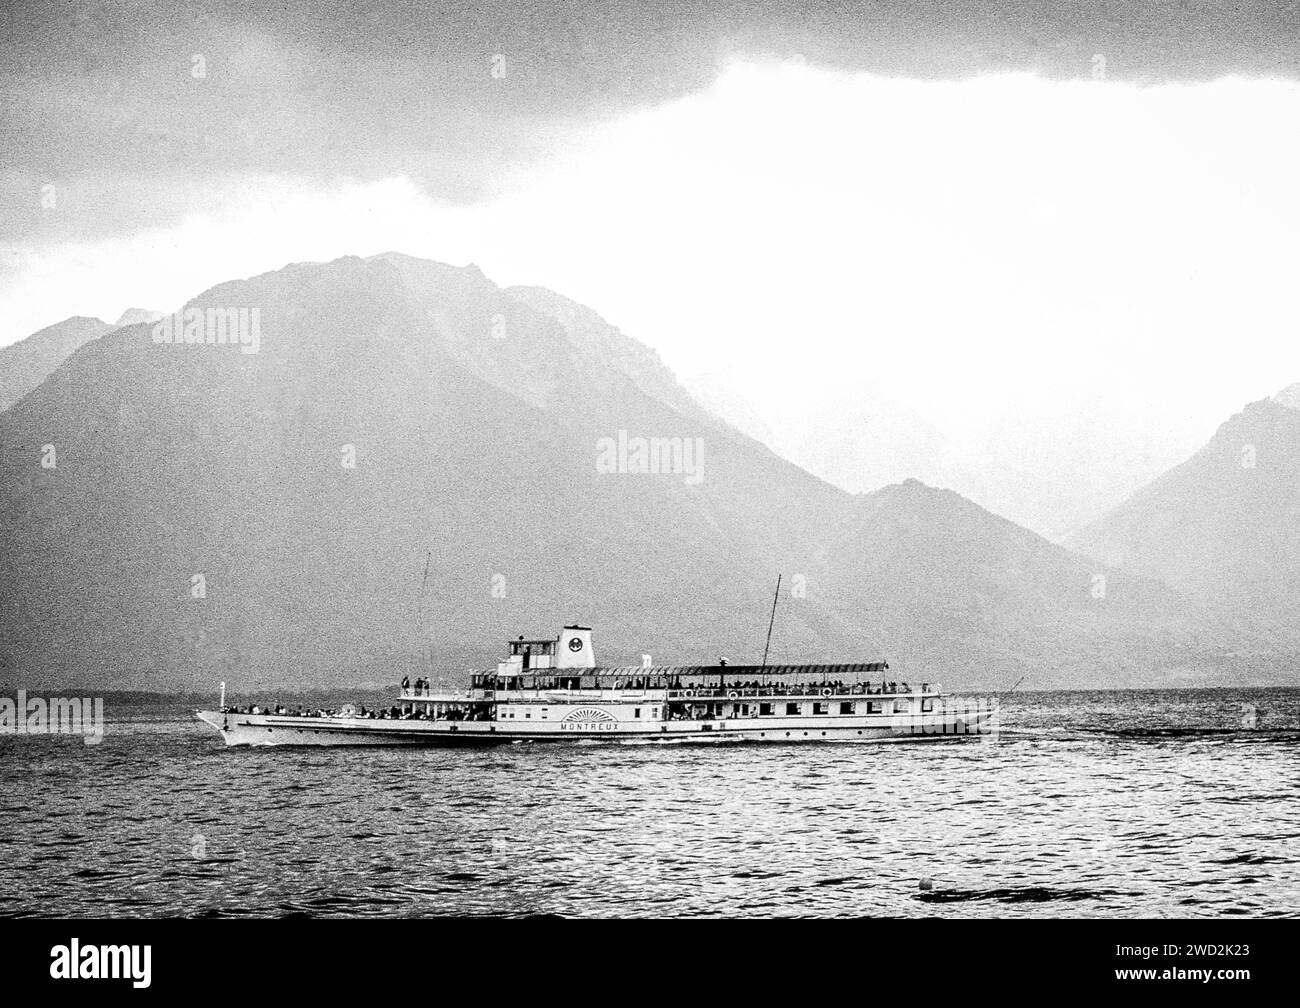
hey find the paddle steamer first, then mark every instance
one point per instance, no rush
(551, 690)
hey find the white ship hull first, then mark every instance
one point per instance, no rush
(278, 730)
(545, 692)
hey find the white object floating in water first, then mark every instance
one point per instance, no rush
(1251, 716)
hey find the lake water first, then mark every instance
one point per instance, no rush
(1106, 804)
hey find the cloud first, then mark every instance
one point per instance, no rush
(106, 104)
(1068, 277)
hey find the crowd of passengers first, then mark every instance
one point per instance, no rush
(756, 687)
(752, 687)
(378, 714)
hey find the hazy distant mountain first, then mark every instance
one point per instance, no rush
(1225, 525)
(857, 438)
(266, 518)
(593, 335)
(971, 580)
(717, 395)
(1289, 396)
(27, 363)
(135, 316)
(860, 439)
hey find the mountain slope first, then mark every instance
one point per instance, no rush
(27, 363)
(952, 586)
(135, 316)
(855, 435)
(266, 518)
(1224, 526)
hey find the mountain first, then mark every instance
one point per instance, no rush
(951, 585)
(856, 436)
(591, 334)
(27, 363)
(1224, 526)
(135, 316)
(417, 464)
(1289, 396)
(717, 394)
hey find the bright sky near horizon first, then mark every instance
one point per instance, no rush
(992, 250)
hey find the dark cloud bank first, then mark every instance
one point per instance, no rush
(137, 112)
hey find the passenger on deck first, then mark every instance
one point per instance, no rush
(406, 682)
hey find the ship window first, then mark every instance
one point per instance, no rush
(873, 707)
(927, 705)
(846, 708)
(636, 712)
(819, 708)
(792, 708)
(528, 714)
(764, 708)
(654, 712)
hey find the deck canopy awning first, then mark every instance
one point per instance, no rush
(661, 676)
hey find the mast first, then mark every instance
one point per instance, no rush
(771, 620)
(426, 649)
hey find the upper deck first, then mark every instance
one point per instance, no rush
(564, 667)
(681, 682)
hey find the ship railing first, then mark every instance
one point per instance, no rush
(803, 690)
(684, 693)
(434, 693)
(590, 693)
(558, 695)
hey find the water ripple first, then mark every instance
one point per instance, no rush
(1101, 804)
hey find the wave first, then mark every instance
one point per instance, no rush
(1024, 894)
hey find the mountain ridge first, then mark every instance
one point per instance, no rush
(28, 362)
(389, 421)
(1220, 524)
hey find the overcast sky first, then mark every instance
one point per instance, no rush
(1092, 210)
